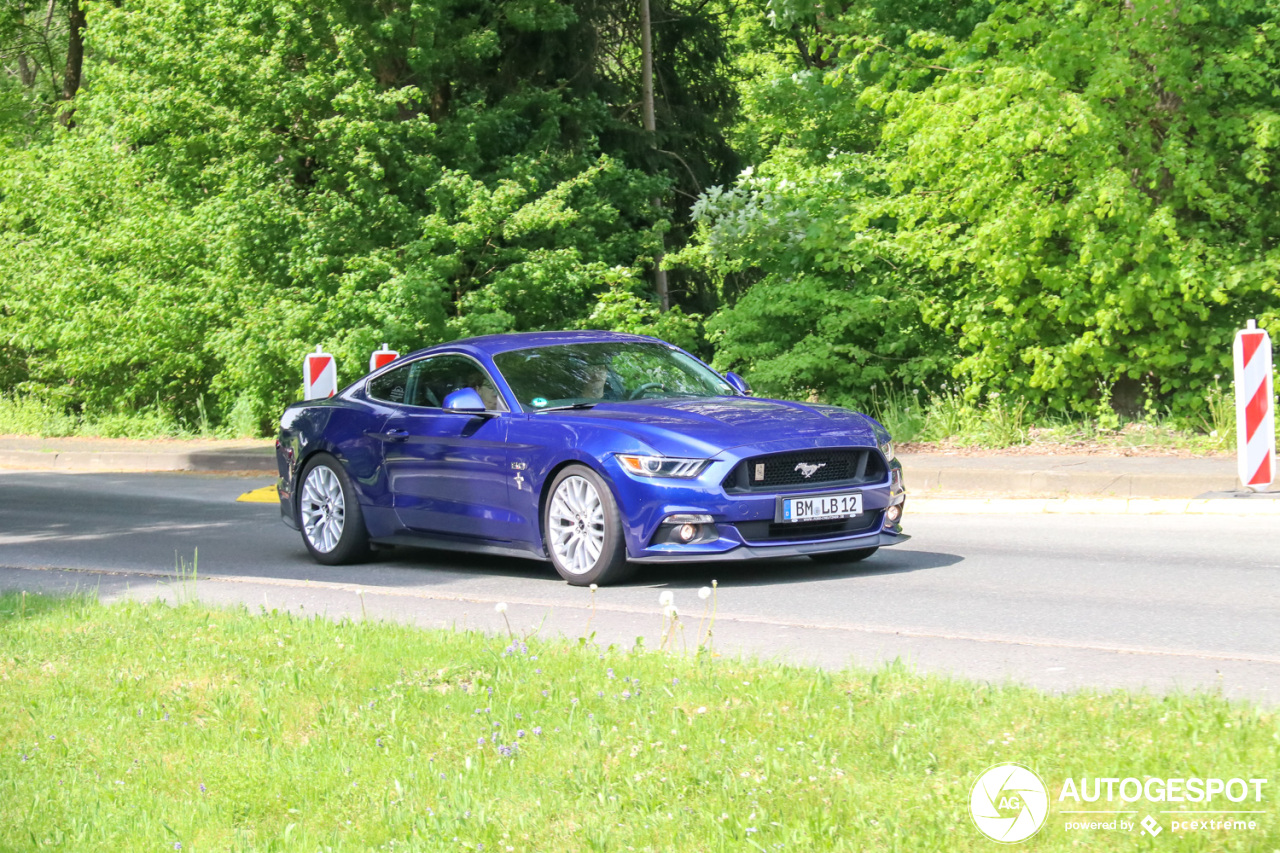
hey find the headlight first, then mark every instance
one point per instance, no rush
(662, 466)
(887, 450)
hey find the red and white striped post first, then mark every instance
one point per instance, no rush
(319, 375)
(1255, 415)
(381, 357)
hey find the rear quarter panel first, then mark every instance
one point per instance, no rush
(344, 428)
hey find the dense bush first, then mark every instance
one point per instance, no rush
(1073, 196)
(245, 181)
(1064, 203)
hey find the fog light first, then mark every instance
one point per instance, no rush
(688, 531)
(893, 513)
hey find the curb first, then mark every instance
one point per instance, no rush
(1096, 477)
(1095, 506)
(249, 460)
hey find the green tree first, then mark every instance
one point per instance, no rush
(245, 181)
(1074, 195)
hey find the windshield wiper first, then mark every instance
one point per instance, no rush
(570, 406)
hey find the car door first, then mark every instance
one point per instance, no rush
(447, 471)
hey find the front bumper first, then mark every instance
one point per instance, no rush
(766, 552)
(746, 524)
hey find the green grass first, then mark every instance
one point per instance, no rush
(947, 417)
(37, 416)
(143, 726)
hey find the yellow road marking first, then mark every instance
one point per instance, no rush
(265, 495)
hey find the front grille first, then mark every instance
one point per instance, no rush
(826, 467)
(766, 531)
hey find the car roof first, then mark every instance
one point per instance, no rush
(494, 344)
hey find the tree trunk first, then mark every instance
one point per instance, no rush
(75, 58)
(26, 73)
(651, 126)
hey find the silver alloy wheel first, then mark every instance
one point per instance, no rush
(324, 509)
(576, 517)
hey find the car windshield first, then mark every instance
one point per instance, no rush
(585, 374)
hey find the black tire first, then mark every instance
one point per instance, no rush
(857, 555)
(332, 524)
(610, 563)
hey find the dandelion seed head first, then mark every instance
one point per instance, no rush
(667, 598)
(704, 593)
(500, 607)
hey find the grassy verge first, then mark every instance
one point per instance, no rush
(35, 416)
(945, 418)
(146, 727)
(948, 419)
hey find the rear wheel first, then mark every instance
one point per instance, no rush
(329, 514)
(855, 556)
(583, 529)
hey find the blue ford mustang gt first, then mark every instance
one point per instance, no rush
(594, 450)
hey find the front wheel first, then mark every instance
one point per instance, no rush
(855, 556)
(583, 529)
(332, 523)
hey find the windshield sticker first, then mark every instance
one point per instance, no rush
(539, 402)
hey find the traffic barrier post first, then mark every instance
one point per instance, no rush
(382, 357)
(1255, 410)
(319, 375)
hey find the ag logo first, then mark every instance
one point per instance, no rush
(1009, 803)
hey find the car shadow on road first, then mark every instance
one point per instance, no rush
(794, 570)
(452, 565)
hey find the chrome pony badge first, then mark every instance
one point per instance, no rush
(806, 470)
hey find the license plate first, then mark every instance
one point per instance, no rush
(822, 507)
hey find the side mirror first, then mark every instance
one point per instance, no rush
(739, 384)
(464, 400)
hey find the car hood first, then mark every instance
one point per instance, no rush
(706, 426)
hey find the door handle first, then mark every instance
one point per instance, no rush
(396, 434)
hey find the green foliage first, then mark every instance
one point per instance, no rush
(1090, 177)
(1070, 196)
(24, 415)
(246, 181)
(1062, 203)
(621, 310)
(829, 315)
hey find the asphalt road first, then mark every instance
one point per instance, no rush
(1058, 601)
